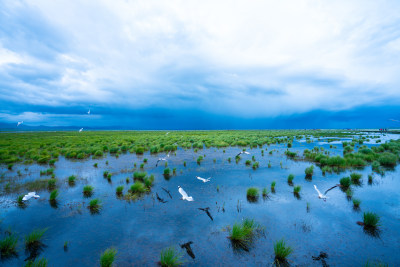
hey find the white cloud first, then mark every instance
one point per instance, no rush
(257, 58)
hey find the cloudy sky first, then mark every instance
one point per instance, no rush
(200, 64)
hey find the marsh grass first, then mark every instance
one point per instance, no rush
(242, 234)
(138, 188)
(107, 257)
(42, 262)
(170, 258)
(256, 165)
(355, 178)
(282, 251)
(273, 183)
(371, 220)
(119, 190)
(94, 205)
(139, 176)
(370, 179)
(88, 190)
(51, 184)
(297, 189)
(265, 193)
(167, 173)
(252, 194)
(345, 182)
(71, 180)
(349, 193)
(53, 195)
(309, 171)
(356, 203)
(290, 179)
(8, 245)
(34, 239)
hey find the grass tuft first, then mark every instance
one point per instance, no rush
(371, 219)
(281, 250)
(95, 205)
(8, 245)
(34, 239)
(88, 190)
(252, 193)
(243, 233)
(170, 257)
(107, 257)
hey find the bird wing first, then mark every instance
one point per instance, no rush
(202, 179)
(183, 193)
(248, 153)
(330, 189)
(189, 199)
(319, 193)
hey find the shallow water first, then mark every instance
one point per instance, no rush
(141, 229)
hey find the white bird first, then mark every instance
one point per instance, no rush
(203, 179)
(243, 152)
(162, 159)
(20, 122)
(30, 195)
(81, 129)
(184, 194)
(167, 133)
(88, 112)
(323, 196)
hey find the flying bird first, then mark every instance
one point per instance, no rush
(88, 112)
(242, 152)
(19, 123)
(162, 159)
(203, 179)
(184, 194)
(188, 249)
(206, 210)
(160, 199)
(81, 129)
(167, 191)
(30, 195)
(323, 196)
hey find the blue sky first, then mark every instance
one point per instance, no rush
(200, 64)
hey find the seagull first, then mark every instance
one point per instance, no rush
(184, 194)
(323, 196)
(243, 152)
(206, 210)
(88, 112)
(162, 159)
(81, 129)
(204, 180)
(167, 191)
(30, 195)
(188, 249)
(160, 199)
(20, 122)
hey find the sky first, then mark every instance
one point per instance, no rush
(200, 64)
